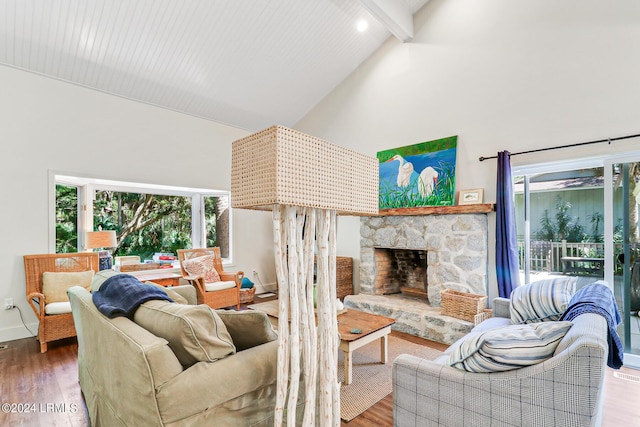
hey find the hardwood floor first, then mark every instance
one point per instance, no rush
(45, 388)
(41, 388)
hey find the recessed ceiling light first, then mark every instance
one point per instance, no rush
(362, 25)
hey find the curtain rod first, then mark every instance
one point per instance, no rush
(608, 140)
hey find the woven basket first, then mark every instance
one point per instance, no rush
(462, 305)
(482, 316)
(246, 295)
(344, 277)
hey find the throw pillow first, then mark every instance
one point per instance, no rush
(541, 301)
(202, 266)
(176, 297)
(246, 283)
(248, 328)
(55, 284)
(195, 332)
(511, 347)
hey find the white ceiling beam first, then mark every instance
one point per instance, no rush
(394, 15)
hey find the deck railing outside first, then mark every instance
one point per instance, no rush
(546, 256)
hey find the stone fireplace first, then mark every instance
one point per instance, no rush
(407, 260)
(438, 251)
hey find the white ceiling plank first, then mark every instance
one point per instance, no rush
(246, 63)
(395, 15)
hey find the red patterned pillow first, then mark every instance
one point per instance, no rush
(202, 266)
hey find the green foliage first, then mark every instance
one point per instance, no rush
(596, 219)
(421, 148)
(144, 223)
(211, 208)
(563, 219)
(66, 219)
(547, 231)
(562, 227)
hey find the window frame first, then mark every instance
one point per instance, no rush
(86, 187)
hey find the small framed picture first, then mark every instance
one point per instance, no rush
(470, 197)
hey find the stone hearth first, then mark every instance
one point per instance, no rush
(413, 316)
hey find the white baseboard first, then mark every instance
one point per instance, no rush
(17, 332)
(268, 287)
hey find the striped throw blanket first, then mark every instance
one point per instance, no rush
(120, 295)
(598, 298)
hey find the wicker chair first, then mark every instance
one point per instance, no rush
(214, 299)
(55, 326)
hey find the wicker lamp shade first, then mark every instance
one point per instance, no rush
(283, 166)
(101, 239)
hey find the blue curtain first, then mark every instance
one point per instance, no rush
(506, 243)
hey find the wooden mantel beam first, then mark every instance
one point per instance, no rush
(439, 210)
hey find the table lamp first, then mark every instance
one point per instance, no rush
(305, 182)
(102, 240)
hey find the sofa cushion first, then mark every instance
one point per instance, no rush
(511, 347)
(195, 332)
(541, 301)
(55, 284)
(176, 297)
(202, 266)
(248, 328)
(219, 286)
(57, 308)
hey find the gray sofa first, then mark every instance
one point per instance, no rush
(565, 390)
(130, 377)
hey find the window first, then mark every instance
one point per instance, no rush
(146, 218)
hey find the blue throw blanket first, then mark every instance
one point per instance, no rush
(120, 295)
(598, 298)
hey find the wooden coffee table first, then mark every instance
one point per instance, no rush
(372, 326)
(162, 278)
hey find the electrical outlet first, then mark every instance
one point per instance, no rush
(255, 273)
(8, 303)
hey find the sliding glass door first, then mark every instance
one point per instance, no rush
(622, 195)
(559, 221)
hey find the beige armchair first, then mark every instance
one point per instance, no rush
(53, 326)
(206, 292)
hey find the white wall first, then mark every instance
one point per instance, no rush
(500, 74)
(49, 125)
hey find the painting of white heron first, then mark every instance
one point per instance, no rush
(422, 174)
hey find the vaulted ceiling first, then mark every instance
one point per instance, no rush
(246, 63)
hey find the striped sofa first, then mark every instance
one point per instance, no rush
(565, 390)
